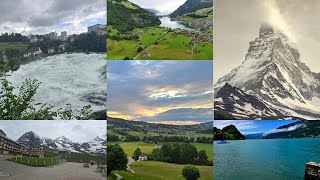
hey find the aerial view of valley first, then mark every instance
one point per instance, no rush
(160, 120)
(53, 69)
(266, 149)
(160, 30)
(273, 70)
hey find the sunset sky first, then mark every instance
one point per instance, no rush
(171, 92)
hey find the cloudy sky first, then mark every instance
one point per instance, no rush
(253, 126)
(164, 6)
(172, 92)
(39, 17)
(77, 131)
(238, 22)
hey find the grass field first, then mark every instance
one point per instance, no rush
(33, 161)
(159, 170)
(130, 147)
(207, 147)
(168, 47)
(13, 45)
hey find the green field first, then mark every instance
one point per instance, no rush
(146, 170)
(130, 147)
(207, 147)
(13, 45)
(34, 161)
(168, 47)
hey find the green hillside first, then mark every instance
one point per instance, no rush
(126, 16)
(227, 133)
(191, 6)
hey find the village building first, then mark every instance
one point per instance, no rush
(37, 151)
(64, 35)
(143, 157)
(33, 51)
(53, 35)
(62, 47)
(51, 50)
(9, 146)
(99, 29)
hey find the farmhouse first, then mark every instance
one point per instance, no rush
(143, 157)
(9, 146)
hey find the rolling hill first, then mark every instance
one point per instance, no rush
(191, 6)
(126, 16)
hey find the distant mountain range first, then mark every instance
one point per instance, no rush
(96, 146)
(126, 16)
(227, 133)
(191, 6)
(154, 11)
(299, 129)
(271, 83)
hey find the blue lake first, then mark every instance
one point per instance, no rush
(273, 159)
(166, 22)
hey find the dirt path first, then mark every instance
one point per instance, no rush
(130, 161)
(65, 171)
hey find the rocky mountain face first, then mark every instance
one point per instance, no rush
(273, 73)
(191, 6)
(31, 139)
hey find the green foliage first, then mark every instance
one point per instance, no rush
(227, 133)
(136, 154)
(191, 172)
(21, 105)
(179, 153)
(82, 158)
(116, 158)
(128, 17)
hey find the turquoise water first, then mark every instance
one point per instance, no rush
(166, 22)
(274, 159)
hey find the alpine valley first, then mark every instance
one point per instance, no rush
(271, 83)
(146, 33)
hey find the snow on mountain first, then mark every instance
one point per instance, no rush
(273, 73)
(96, 146)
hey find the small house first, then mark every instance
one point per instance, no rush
(143, 157)
(33, 51)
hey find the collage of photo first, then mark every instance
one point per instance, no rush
(159, 90)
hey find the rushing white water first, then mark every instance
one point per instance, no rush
(76, 79)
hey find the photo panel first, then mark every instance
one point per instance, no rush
(160, 119)
(52, 62)
(266, 149)
(266, 60)
(159, 30)
(53, 150)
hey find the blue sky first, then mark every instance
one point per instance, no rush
(171, 92)
(253, 126)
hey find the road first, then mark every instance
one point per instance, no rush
(65, 171)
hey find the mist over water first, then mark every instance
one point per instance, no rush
(76, 79)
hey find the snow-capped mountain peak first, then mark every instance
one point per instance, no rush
(273, 72)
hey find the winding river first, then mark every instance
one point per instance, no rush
(76, 79)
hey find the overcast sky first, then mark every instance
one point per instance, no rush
(38, 16)
(253, 126)
(77, 131)
(165, 6)
(171, 92)
(238, 22)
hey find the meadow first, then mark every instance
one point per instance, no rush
(13, 45)
(146, 170)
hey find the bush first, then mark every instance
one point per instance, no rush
(190, 172)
